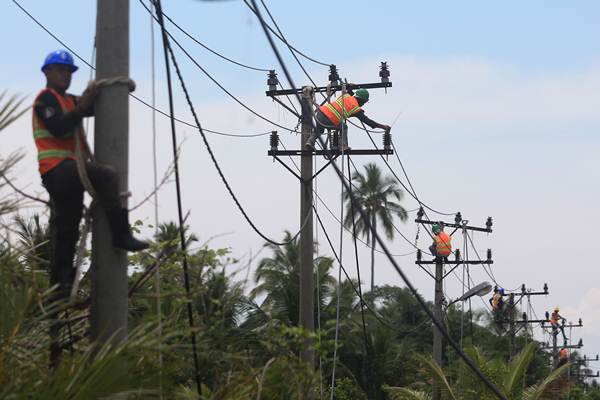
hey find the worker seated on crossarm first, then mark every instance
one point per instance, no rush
(57, 120)
(555, 323)
(333, 115)
(497, 303)
(442, 243)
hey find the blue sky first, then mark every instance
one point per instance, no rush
(504, 97)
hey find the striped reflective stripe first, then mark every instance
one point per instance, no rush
(347, 113)
(334, 111)
(55, 154)
(41, 134)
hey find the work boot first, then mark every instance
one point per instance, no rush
(122, 238)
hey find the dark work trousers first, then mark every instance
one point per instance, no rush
(322, 123)
(66, 198)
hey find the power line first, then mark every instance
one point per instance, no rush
(211, 50)
(284, 40)
(190, 312)
(393, 225)
(420, 300)
(209, 149)
(62, 43)
(219, 85)
(340, 222)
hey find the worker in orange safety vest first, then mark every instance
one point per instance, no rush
(563, 357)
(442, 242)
(555, 323)
(57, 117)
(333, 115)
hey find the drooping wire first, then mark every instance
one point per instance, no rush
(339, 295)
(362, 306)
(211, 153)
(439, 325)
(335, 217)
(287, 43)
(155, 179)
(314, 205)
(217, 83)
(253, 9)
(410, 191)
(62, 43)
(211, 50)
(489, 274)
(182, 240)
(393, 225)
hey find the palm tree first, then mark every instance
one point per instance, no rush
(278, 278)
(9, 112)
(377, 196)
(507, 376)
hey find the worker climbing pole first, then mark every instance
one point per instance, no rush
(61, 145)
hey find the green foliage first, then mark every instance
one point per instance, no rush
(9, 109)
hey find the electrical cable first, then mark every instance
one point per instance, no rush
(382, 244)
(393, 225)
(62, 43)
(338, 295)
(219, 85)
(340, 222)
(212, 155)
(211, 50)
(410, 184)
(285, 41)
(288, 46)
(314, 204)
(362, 307)
(155, 195)
(166, 50)
(412, 193)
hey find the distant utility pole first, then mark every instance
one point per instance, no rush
(510, 312)
(440, 274)
(111, 147)
(555, 334)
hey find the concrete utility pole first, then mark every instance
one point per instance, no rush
(307, 307)
(437, 312)
(111, 147)
(306, 317)
(511, 326)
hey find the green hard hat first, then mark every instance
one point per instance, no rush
(362, 94)
(436, 228)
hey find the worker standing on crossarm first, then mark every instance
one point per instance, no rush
(442, 242)
(333, 115)
(57, 119)
(555, 323)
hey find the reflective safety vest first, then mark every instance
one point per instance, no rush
(443, 244)
(336, 111)
(496, 299)
(563, 354)
(53, 150)
(554, 318)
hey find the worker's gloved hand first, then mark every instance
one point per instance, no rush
(86, 101)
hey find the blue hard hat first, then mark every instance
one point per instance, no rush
(60, 57)
(501, 291)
